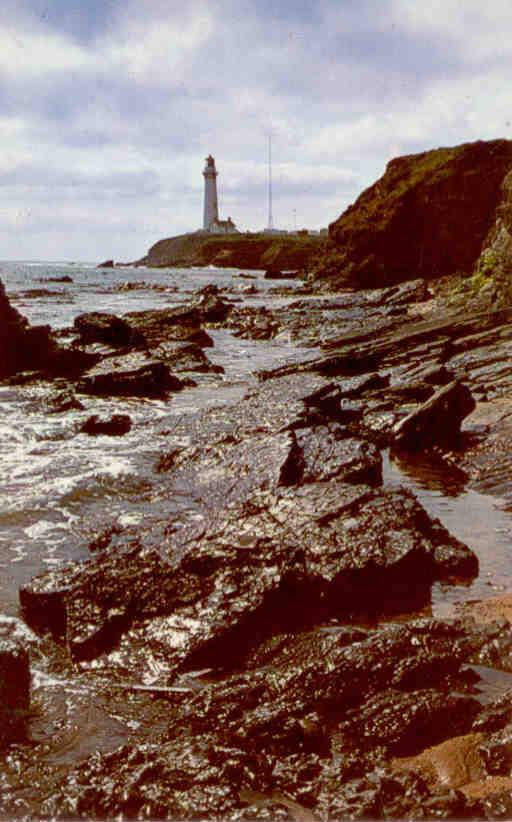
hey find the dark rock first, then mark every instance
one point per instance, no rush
(496, 715)
(415, 221)
(22, 347)
(212, 308)
(64, 401)
(98, 326)
(151, 380)
(438, 420)
(14, 689)
(116, 426)
(343, 548)
(65, 279)
(182, 323)
(278, 738)
(383, 795)
(186, 356)
(253, 323)
(106, 264)
(496, 752)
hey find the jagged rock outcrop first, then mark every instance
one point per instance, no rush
(429, 215)
(24, 347)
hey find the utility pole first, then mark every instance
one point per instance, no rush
(270, 218)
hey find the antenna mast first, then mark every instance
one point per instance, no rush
(270, 218)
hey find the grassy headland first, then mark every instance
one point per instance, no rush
(252, 251)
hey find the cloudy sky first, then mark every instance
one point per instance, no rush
(109, 107)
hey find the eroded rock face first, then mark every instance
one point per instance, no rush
(428, 216)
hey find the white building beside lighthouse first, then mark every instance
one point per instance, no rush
(211, 222)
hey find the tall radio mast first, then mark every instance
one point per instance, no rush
(270, 218)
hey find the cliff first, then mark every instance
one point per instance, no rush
(253, 251)
(429, 215)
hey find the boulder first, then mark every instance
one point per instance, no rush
(212, 307)
(115, 426)
(186, 356)
(62, 401)
(98, 326)
(428, 215)
(106, 264)
(14, 689)
(436, 421)
(151, 380)
(182, 323)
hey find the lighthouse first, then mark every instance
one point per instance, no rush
(211, 208)
(211, 222)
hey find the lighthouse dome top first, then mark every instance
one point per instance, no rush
(210, 163)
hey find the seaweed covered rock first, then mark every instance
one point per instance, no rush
(427, 216)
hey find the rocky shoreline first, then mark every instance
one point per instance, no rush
(282, 625)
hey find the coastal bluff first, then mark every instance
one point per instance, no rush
(430, 215)
(252, 251)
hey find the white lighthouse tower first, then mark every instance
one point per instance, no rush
(211, 208)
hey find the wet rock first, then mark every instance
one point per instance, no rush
(383, 795)
(115, 426)
(182, 779)
(14, 689)
(182, 323)
(106, 264)
(63, 401)
(212, 308)
(186, 356)
(280, 735)
(496, 715)
(101, 327)
(151, 380)
(343, 548)
(22, 347)
(496, 752)
(231, 469)
(438, 420)
(64, 279)
(325, 452)
(253, 323)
